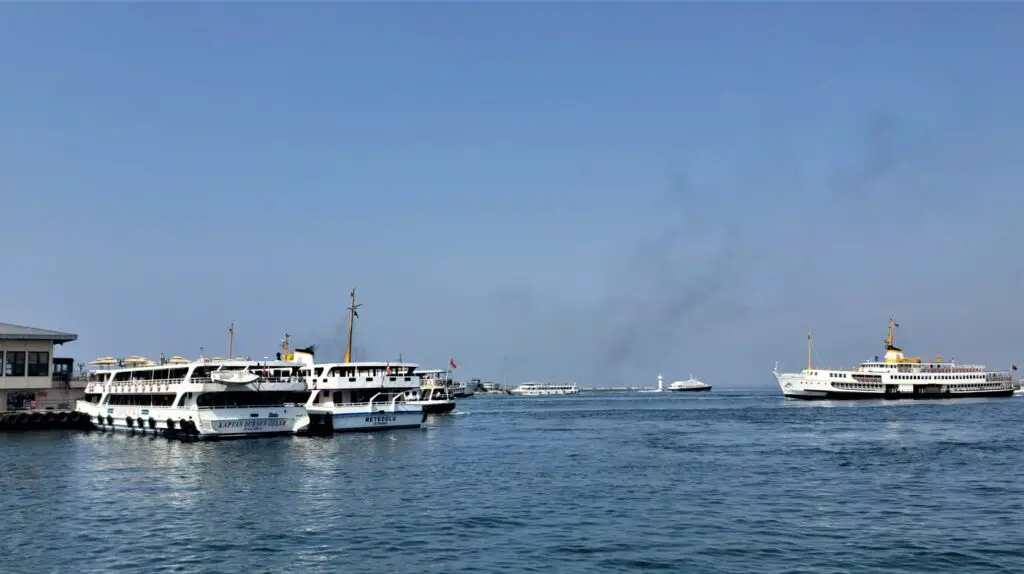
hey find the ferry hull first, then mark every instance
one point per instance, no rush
(852, 396)
(361, 419)
(437, 407)
(697, 390)
(203, 424)
(376, 421)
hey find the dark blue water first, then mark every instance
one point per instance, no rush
(716, 482)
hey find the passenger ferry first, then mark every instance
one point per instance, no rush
(361, 396)
(462, 389)
(358, 396)
(538, 389)
(435, 393)
(895, 377)
(208, 398)
(689, 385)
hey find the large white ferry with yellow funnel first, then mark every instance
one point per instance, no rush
(895, 377)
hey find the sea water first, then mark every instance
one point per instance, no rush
(708, 482)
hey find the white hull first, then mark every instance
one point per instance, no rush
(895, 376)
(694, 389)
(817, 387)
(210, 423)
(540, 393)
(361, 418)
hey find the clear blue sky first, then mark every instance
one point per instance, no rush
(603, 192)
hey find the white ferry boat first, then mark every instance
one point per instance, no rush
(435, 393)
(689, 385)
(462, 389)
(358, 396)
(362, 396)
(538, 389)
(895, 377)
(205, 399)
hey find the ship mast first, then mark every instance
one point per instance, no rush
(890, 341)
(352, 315)
(284, 344)
(231, 339)
(809, 346)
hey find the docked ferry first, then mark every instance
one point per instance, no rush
(359, 396)
(436, 392)
(539, 389)
(895, 377)
(207, 398)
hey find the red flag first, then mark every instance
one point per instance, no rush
(451, 363)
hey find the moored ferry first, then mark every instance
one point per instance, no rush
(436, 393)
(208, 398)
(539, 389)
(895, 377)
(359, 396)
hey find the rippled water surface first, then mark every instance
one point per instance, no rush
(710, 482)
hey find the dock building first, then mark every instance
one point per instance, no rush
(30, 376)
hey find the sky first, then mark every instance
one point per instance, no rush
(589, 192)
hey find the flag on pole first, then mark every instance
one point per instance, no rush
(451, 363)
(1014, 367)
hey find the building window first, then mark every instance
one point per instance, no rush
(38, 364)
(14, 365)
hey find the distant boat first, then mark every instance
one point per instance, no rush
(660, 389)
(461, 390)
(538, 389)
(435, 394)
(896, 376)
(691, 385)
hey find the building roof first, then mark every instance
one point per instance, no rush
(9, 332)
